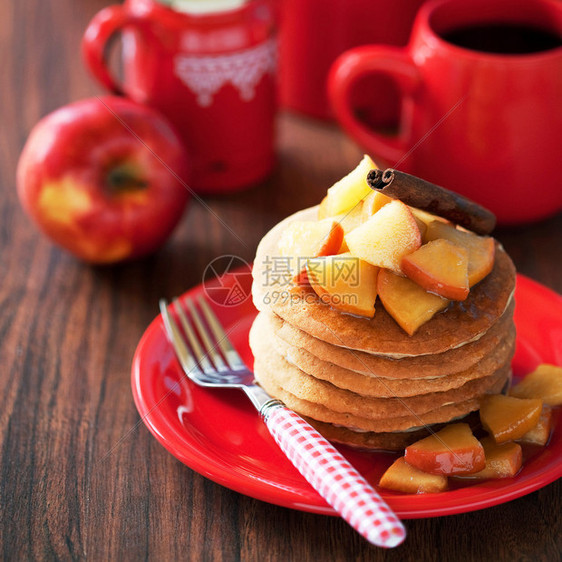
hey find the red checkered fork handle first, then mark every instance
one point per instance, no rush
(331, 475)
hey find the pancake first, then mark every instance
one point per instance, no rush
(366, 382)
(391, 388)
(321, 413)
(306, 387)
(389, 441)
(458, 324)
(457, 360)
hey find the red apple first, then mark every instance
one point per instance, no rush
(100, 178)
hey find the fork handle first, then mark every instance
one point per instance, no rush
(333, 477)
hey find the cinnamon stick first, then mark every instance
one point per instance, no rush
(432, 198)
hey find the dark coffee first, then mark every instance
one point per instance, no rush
(505, 39)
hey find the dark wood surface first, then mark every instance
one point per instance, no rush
(80, 477)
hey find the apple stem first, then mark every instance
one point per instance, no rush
(124, 179)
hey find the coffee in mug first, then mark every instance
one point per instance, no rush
(480, 84)
(504, 39)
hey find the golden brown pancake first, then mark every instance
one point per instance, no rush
(459, 323)
(365, 382)
(389, 441)
(402, 423)
(460, 359)
(306, 387)
(390, 388)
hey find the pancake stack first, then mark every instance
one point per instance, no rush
(365, 382)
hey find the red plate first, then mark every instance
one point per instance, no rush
(219, 434)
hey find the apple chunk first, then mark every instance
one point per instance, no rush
(350, 190)
(439, 267)
(481, 249)
(544, 382)
(309, 239)
(422, 227)
(349, 221)
(426, 217)
(344, 282)
(541, 432)
(453, 450)
(322, 209)
(409, 304)
(507, 418)
(402, 477)
(373, 203)
(389, 235)
(502, 461)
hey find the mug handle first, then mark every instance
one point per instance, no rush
(104, 25)
(393, 62)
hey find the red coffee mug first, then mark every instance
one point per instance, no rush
(212, 75)
(315, 32)
(484, 124)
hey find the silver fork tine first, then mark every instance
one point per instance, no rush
(210, 347)
(186, 359)
(193, 341)
(233, 359)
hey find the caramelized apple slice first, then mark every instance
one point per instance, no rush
(323, 209)
(402, 477)
(426, 217)
(309, 239)
(423, 218)
(502, 461)
(350, 190)
(389, 235)
(349, 221)
(344, 282)
(439, 267)
(453, 450)
(545, 382)
(507, 418)
(541, 432)
(481, 249)
(422, 227)
(409, 304)
(373, 203)
(377, 200)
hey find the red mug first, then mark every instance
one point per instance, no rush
(483, 123)
(213, 75)
(315, 32)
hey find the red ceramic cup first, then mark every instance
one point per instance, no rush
(213, 75)
(315, 32)
(484, 124)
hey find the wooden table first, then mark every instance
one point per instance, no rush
(80, 476)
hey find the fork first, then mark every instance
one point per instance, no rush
(209, 359)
